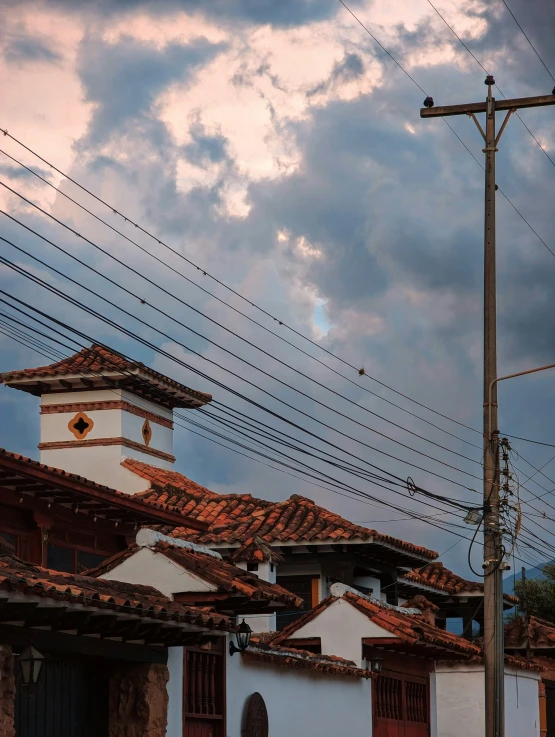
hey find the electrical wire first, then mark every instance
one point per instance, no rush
(506, 197)
(530, 42)
(527, 440)
(230, 289)
(415, 516)
(186, 419)
(212, 342)
(82, 306)
(227, 304)
(69, 328)
(486, 71)
(230, 426)
(327, 488)
(381, 502)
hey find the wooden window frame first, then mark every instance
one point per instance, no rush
(403, 679)
(75, 549)
(218, 721)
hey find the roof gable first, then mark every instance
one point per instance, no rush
(337, 615)
(190, 567)
(146, 565)
(133, 600)
(406, 624)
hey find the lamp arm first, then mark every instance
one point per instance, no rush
(510, 376)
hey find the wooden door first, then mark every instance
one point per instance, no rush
(70, 700)
(400, 705)
(550, 707)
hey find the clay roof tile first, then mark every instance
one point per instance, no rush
(296, 519)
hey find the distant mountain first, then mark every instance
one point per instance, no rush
(508, 581)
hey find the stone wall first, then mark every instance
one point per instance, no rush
(7, 692)
(138, 701)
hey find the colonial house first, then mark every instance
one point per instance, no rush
(139, 644)
(84, 657)
(307, 548)
(329, 601)
(431, 681)
(110, 420)
(293, 685)
(146, 655)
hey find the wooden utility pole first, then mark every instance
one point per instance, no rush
(524, 608)
(494, 656)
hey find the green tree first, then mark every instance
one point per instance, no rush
(538, 595)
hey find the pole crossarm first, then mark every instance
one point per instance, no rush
(481, 107)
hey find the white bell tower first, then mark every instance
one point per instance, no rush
(98, 407)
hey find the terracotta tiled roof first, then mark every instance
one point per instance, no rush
(541, 633)
(511, 661)
(97, 360)
(235, 518)
(112, 504)
(256, 550)
(131, 599)
(420, 602)
(436, 576)
(228, 578)
(409, 627)
(302, 659)
(515, 661)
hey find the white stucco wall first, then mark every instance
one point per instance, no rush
(457, 698)
(341, 628)
(103, 463)
(299, 703)
(154, 569)
(369, 582)
(105, 395)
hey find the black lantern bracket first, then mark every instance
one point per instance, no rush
(30, 666)
(243, 636)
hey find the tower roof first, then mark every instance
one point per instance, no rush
(99, 367)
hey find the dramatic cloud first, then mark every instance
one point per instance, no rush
(21, 48)
(278, 147)
(285, 14)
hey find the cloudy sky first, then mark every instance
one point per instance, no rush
(276, 146)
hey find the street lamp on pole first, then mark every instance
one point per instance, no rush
(511, 376)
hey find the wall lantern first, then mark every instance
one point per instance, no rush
(376, 662)
(30, 664)
(243, 636)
